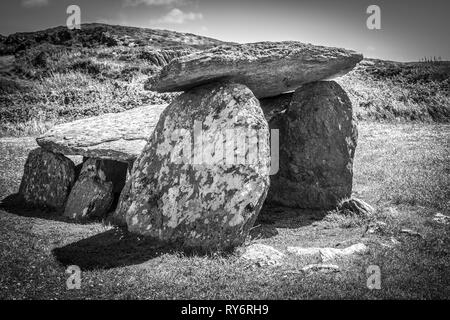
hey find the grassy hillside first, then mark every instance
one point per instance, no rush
(56, 75)
(388, 90)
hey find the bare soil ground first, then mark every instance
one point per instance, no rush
(401, 169)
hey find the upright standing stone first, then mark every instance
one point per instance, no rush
(317, 145)
(93, 193)
(47, 179)
(203, 192)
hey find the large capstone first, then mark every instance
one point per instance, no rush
(267, 68)
(203, 177)
(93, 193)
(317, 144)
(47, 179)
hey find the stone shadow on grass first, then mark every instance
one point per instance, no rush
(118, 248)
(274, 217)
(284, 217)
(15, 204)
(110, 249)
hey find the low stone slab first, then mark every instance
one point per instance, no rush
(47, 179)
(117, 136)
(267, 68)
(93, 193)
(89, 198)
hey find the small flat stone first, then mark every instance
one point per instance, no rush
(325, 268)
(412, 233)
(355, 206)
(441, 218)
(327, 254)
(262, 255)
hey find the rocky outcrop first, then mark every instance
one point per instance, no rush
(202, 178)
(317, 145)
(116, 136)
(267, 68)
(47, 179)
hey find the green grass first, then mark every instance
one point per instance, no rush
(400, 169)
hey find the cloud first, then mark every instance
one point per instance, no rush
(34, 3)
(134, 3)
(176, 16)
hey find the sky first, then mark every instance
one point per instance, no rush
(410, 29)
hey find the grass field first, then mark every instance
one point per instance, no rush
(401, 169)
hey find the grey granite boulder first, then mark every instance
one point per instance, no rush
(267, 68)
(317, 144)
(117, 136)
(47, 179)
(204, 192)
